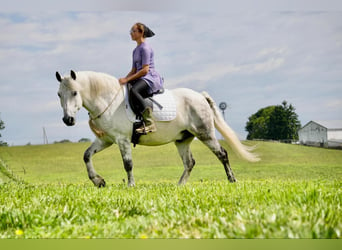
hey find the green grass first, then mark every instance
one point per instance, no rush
(256, 209)
(294, 192)
(63, 163)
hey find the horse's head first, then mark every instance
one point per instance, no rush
(71, 100)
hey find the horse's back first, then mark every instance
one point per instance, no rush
(187, 95)
(184, 91)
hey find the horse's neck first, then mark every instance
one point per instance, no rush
(99, 92)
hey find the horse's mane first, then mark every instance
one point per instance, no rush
(98, 82)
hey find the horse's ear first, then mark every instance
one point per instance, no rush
(73, 75)
(58, 76)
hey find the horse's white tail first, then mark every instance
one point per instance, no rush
(229, 135)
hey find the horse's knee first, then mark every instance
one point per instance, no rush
(128, 164)
(88, 154)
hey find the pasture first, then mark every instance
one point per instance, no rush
(293, 192)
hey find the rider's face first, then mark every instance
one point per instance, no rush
(135, 33)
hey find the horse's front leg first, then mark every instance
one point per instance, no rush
(126, 153)
(96, 147)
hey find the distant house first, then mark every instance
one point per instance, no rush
(322, 134)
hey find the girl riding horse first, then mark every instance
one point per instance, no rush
(143, 78)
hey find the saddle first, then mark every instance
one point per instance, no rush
(162, 103)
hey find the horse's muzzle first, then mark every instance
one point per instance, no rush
(69, 120)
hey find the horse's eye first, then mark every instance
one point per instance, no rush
(59, 94)
(74, 93)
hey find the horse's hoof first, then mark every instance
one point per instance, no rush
(131, 184)
(102, 183)
(99, 182)
(232, 179)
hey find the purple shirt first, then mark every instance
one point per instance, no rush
(143, 55)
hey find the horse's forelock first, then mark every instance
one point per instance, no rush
(70, 84)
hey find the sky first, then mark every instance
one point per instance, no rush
(248, 58)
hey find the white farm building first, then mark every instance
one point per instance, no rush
(323, 134)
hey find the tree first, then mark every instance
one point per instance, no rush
(63, 141)
(84, 140)
(2, 126)
(278, 122)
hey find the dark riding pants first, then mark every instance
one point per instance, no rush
(138, 91)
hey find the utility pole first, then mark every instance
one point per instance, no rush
(45, 139)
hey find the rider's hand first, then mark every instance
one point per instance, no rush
(123, 81)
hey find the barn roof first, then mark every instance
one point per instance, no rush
(334, 124)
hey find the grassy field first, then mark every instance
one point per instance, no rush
(294, 192)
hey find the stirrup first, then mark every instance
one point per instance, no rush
(142, 129)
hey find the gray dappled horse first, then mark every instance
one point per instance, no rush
(102, 95)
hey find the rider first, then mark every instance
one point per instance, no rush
(143, 77)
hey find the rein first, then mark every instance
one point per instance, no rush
(110, 104)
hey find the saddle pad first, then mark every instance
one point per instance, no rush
(167, 102)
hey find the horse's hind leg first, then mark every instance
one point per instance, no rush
(222, 155)
(184, 151)
(207, 136)
(96, 147)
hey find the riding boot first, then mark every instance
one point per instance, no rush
(149, 125)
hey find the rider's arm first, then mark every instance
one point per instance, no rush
(132, 75)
